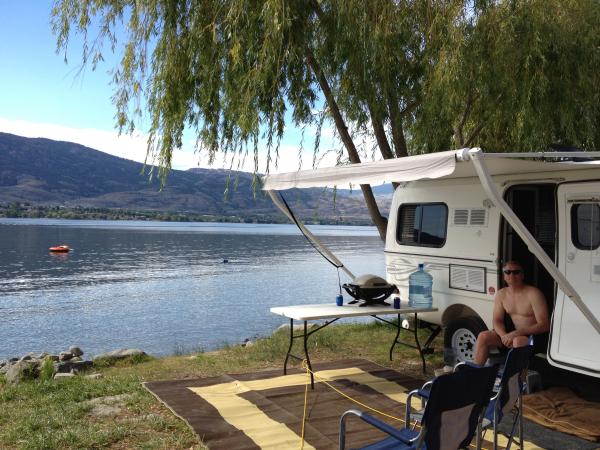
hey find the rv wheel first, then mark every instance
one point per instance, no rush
(460, 336)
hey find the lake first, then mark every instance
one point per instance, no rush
(160, 286)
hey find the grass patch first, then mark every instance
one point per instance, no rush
(47, 369)
(49, 414)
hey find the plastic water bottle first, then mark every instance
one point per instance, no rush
(419, 288)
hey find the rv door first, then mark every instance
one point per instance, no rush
(574, 343)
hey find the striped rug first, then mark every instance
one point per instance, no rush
(265, 409)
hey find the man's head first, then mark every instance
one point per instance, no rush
(512, 272)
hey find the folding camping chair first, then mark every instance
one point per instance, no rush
(508, 396)
(452, 414)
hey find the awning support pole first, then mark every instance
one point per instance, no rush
(322, 247)
(477, 157)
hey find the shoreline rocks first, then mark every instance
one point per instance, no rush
(65, 365)
(121, 353)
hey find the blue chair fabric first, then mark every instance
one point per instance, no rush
(508, 396)
(451, 417)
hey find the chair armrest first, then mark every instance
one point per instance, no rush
(426, 386)
(388, 429)
(423, 393)
(465, 364)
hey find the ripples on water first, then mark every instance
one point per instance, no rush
(162, 287)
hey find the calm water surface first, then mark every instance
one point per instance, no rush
(162, 287)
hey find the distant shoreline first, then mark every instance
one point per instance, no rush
(28, 211)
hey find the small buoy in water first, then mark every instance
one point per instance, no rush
(60, 249)
(225, 261)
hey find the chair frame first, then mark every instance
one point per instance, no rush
(418, 440)
(394, 432)
(517, 407)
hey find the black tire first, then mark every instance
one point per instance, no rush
(459, 339)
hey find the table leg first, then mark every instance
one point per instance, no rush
(398, 328)
(312, 380)
(305, 335)
(396, 341)
(287, 356)
(421, 354)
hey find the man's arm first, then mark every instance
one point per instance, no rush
(498, 314)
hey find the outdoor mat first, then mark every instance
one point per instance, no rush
(560, 409)
(265, 409)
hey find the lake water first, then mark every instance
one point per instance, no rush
(162, 287)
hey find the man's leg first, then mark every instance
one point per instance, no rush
(485, 341)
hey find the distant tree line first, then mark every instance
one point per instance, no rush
(27, 210)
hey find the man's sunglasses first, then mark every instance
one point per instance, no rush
(512, 272)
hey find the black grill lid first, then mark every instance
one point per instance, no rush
(369, 288)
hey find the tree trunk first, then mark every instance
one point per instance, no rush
(397, 130)
(378, 220)
(382, 142)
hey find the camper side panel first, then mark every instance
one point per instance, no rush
(461, 257)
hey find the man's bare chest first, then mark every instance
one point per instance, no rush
(517, 305)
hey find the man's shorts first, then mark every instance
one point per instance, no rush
(540, 342)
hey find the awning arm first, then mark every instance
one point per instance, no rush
(311, 237)
(477, 157)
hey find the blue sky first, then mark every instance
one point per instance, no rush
(36, 83)
(41, 96)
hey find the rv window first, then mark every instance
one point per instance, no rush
(585, 226)
(422, 224)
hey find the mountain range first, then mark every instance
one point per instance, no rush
(48, 173)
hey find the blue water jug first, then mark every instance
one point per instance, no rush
(419, 288)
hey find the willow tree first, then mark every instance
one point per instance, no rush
(413, 76)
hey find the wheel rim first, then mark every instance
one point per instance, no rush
(463, 344)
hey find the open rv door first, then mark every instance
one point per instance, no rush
(574, 342)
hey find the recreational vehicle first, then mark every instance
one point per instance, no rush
(463, 213)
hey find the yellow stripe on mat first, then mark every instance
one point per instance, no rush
(268, 433)
(247, 417)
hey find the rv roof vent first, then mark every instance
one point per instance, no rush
(461, 216)
(478, 217)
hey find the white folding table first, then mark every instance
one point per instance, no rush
(331, 313)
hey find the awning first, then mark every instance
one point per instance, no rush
(447, 164)
(432, 165)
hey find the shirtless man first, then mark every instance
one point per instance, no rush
(525, 305)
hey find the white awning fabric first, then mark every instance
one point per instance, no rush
(428, 166)
(432, 165)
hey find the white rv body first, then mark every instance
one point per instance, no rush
(480, 232)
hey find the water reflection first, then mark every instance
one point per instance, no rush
(161, 287)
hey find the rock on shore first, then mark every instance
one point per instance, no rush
(120, 354)
(64, 365)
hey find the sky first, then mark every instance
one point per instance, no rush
(42, 96)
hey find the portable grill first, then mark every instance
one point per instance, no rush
(369, 289)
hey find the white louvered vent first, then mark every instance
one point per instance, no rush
(461, 216)
(475, 217)
(478, 217)
(467, 278)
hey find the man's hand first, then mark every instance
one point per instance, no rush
(507, 339)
